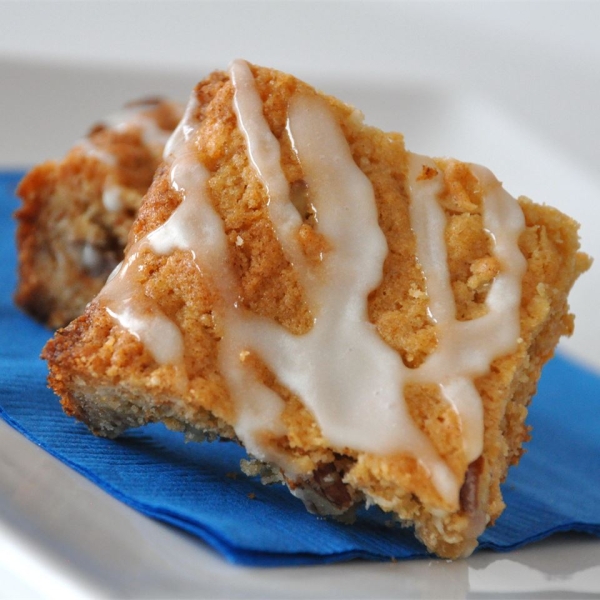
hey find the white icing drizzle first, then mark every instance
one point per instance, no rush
(195, 226)
(153, 329)
(342, 370)
(91, 258)
(126, 302)
(183, 132)
(264, 153)
(132, 118)
(87, 146)
(137, 117)
(466, 348)
(111, 197)
(124, 297)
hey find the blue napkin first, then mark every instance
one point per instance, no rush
(198, 487)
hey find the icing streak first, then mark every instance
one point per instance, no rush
(466, 348)
(265, 155)
(345, 374)
(139, 118)
(126, 302)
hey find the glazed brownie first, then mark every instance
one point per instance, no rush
(76, 213)
(369, 323)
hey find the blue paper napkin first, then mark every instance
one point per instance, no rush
(199, 488)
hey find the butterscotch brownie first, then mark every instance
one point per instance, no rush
(369, 323)
(76, 212)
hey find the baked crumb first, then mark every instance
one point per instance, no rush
(111, 376)
(76, 213)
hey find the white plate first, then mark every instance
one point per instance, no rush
(512, 86)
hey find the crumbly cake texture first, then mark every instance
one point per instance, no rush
(109, 380)
(68, 239)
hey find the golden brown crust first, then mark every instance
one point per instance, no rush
(94, 353)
